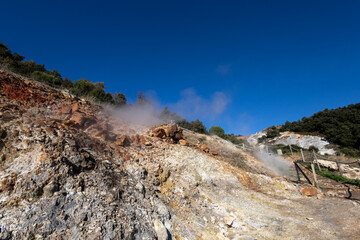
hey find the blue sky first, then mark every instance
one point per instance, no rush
(242, 65)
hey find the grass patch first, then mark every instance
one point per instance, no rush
(238, 163)
(334, 176)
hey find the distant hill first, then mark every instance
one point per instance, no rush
(340, 126)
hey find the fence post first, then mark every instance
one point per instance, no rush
(303, 173)
(316, 160)
(297, 172)
(314, 173)
(338, 165)
(302, 155)
(291, 150)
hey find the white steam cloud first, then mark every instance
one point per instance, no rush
(274, 162)
(138, 114)
(193, 106)
(190, 106)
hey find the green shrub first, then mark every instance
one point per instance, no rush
(352, 152)
(272, 132)
(218, 131)
(46, 77)
(119, 99)
(313, 148)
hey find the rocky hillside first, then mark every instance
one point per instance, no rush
(74, 170)
(290, 138)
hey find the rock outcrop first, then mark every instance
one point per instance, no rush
(170, 133)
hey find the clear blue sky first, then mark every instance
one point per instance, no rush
(243, 65)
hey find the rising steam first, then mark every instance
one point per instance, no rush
(138, 114)
(274, 162)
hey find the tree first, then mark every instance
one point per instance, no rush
(82, 87)
(141, 98)
(119, 99)
(198, 126)
(218, 131)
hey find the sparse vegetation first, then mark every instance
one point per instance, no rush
(216, 130)
(83, 88)
(334, 176)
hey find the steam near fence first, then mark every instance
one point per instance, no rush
(274, 162)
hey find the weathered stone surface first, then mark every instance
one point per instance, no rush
(50, 189)
(2, 133)
(160, 229)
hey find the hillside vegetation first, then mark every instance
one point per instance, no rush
(339, 126)
(83, 88)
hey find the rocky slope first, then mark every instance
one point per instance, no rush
(72, 170)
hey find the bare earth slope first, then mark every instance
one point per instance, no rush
(71, 170)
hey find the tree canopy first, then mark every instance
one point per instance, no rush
(340, 126)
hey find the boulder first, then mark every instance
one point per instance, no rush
(160, 230)
(81, 120)
(171, 130)
(159, 133)
(66, 109)
(204, 148)
(183, 142)
(75, 107)
(170, 133)
(124, 141)
(309, 191)
(78, 118)
(214, 152)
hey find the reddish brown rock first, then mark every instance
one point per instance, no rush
(139, 140)
(8, 183)
(75, 107)
(171, 130)
(204, 148)
(159, 133)
(183, 142)
(106, 135)
(310, 191)
(78, 118)
(214, 152)
(171, 133)
(124, 141)
(142, 139)
(66, 109)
